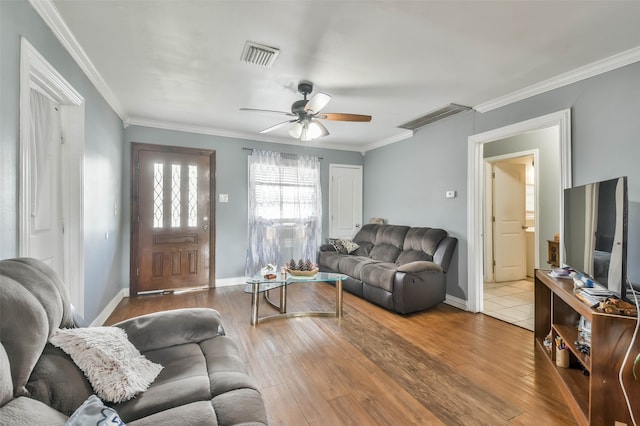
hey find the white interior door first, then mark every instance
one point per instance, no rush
(46, 168)
(509, 227)
(54, 230)
(345, 200)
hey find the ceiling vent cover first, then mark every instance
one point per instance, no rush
(259, 54)
(436, 115)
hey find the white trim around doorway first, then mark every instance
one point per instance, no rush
(475, 187)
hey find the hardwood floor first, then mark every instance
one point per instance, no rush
(439, 367)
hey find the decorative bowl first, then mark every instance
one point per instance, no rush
(297, 273)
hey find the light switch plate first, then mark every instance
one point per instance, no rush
(450, 194)
(224, 198)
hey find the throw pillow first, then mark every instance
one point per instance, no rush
(349, 246)
(337, 245)
(115, 368)
(94, 412)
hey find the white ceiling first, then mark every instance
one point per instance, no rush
(176, 64)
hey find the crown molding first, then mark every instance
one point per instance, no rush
(164, 125)
(51, 17)
(404, 134)
(593, 69)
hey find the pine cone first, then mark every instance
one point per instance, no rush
(291, 265)
(308, 266)
(300, 265)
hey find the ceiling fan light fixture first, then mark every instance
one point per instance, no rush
(296, 130)
(305, 136)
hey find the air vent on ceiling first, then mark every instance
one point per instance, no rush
(259, 54)
(436, 115)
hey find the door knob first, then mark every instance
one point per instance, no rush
(357, 225)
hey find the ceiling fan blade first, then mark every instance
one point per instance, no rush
(276, 126)
(336, 116)
(323, 130)
(267, 110)
(317, 102)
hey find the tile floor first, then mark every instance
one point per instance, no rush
(510, 302)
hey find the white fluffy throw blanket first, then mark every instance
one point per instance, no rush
(115, 368)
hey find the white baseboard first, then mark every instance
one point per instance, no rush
(111, 306)
(456, 302)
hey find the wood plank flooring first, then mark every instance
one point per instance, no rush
(439, 367)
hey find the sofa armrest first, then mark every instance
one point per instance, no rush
(170, 328)
(419, 266)
(445, 251)
(327, 247)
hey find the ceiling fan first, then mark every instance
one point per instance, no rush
(307, 126)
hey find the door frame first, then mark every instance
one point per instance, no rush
(488, 200)
(36, 72)
(475, 188)
(136, 147)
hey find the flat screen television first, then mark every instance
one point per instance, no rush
(594, 239)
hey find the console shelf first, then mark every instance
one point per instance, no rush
(590, 384)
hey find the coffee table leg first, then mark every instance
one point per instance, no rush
(339, 298)
(255, 300)
(283, 299)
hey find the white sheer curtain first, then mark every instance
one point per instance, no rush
(45, 137)
(285, 209)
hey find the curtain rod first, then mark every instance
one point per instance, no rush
(251, 149)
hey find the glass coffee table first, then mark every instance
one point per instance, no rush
(259, 284)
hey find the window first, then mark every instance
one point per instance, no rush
(285, 209)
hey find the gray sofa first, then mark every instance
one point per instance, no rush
(204, 380)
(400, 268)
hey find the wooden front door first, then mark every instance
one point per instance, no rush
(172, 218)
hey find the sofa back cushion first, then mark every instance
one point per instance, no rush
(388, 243)
(385, 253)
(34, 302)
(424, 239)
(407, 256)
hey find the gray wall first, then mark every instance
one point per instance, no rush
(231, 178)
(547, 143)
(605, 133)
(403, 183)
(103, 155)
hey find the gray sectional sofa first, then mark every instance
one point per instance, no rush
(400, 268)
(203, 380)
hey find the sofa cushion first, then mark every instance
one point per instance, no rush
(392, 234)
(385, 253)
(196, 413)
(367, 234)
(329, 260)
(29, 412)
(352, 265)
(183, 380)
(225, 367)
(58, 382)
(364, 249)
(424, 239)
(381, 275)
(239, 407)
(408, 256)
